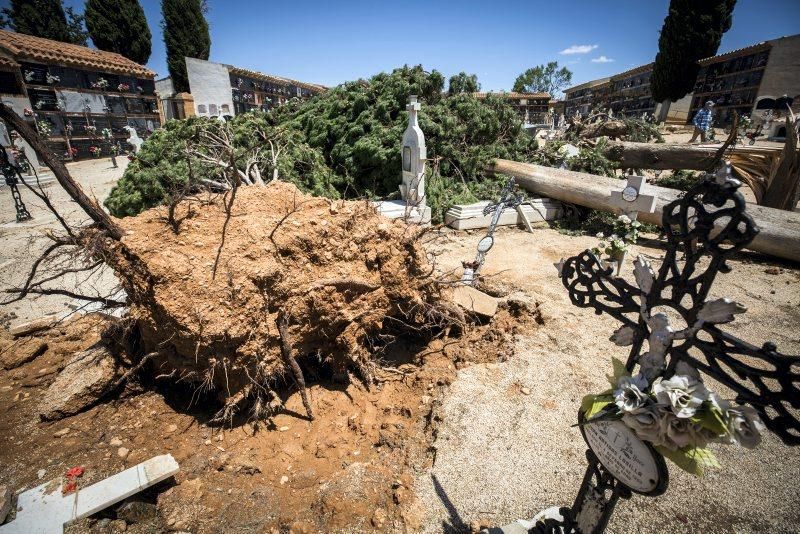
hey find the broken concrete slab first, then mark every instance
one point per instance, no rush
(44, 510)
(17, 354)
(32, 327)
(5, 502)
(469, 216)
(87, 377)
(474, 301)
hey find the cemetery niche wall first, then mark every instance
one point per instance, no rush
(664, 410)
(79, 99)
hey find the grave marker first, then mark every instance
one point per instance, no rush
(631, 200)
(45, 510)
(509, 198)
(413, 206)
(764, 381)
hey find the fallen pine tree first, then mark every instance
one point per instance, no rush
(228, 291)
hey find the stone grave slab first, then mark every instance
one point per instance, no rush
(44, 510)
(399, 209)
(470, 216)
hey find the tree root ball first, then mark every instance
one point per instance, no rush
(245, 286)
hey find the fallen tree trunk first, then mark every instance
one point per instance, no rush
(660, 156)
(780, 230)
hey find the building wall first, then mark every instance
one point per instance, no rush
(782, 75)
(18, 103)
(210, 86)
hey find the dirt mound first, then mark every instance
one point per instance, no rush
(245, 286)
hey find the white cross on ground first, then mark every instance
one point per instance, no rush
(633, 198)
(44, 510)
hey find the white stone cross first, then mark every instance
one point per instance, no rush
(44, 510)
(633, 198)
(414, 154)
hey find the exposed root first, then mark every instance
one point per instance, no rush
(291, 363)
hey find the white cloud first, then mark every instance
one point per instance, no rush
(602, 59)
(578, 49)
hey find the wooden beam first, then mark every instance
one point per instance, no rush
(780, 230)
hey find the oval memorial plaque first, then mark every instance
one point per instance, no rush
(630, 193)
(485, 244)
(627, 457)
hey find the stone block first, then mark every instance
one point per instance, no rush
(88, 376)
(397, 209)
(32, 327)
(474, 301)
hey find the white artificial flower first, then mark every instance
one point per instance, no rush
(682, 394)
(744, 425)
(647, 423)
(624, 219)
(636, 224)
(630, 395)
(600, 235)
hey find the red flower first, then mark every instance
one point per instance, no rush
(75, 472)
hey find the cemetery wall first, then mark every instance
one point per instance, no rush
(782, 75)
(733, 80)
(82, 100)
(211, 88)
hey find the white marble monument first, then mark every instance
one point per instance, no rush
(412, 207)
(134, 139)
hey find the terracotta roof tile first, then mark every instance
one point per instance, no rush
(7, 62)
(275, 79)
(36, 49)
(752, 49)
(513, 95)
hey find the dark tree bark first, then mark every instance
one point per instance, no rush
(61, 173)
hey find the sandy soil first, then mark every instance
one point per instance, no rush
(502, 454)
(21, 243)
(477, 429)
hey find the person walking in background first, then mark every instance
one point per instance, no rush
(703, 122)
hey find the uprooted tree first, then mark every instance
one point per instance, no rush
(252, 284)
(344, 143)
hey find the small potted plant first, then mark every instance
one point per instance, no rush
(95, 151)
(91, 129)
(43, 127)
(626, 233)
(101, 84)
(123, 88)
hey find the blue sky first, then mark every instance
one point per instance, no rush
(330, 42)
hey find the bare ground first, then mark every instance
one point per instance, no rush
(496, 435)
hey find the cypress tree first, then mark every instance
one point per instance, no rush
(44, 18)
(119, 26)
(185, 35)
(692, 31)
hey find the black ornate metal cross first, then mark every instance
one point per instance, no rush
(12, 176)
(510, 197)
(704, 228)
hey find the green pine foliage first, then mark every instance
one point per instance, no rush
(463, 83)
(185, 35)
(692, 31)
(345, 143)
(543, 79)
(45, 18)
(119, 26)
